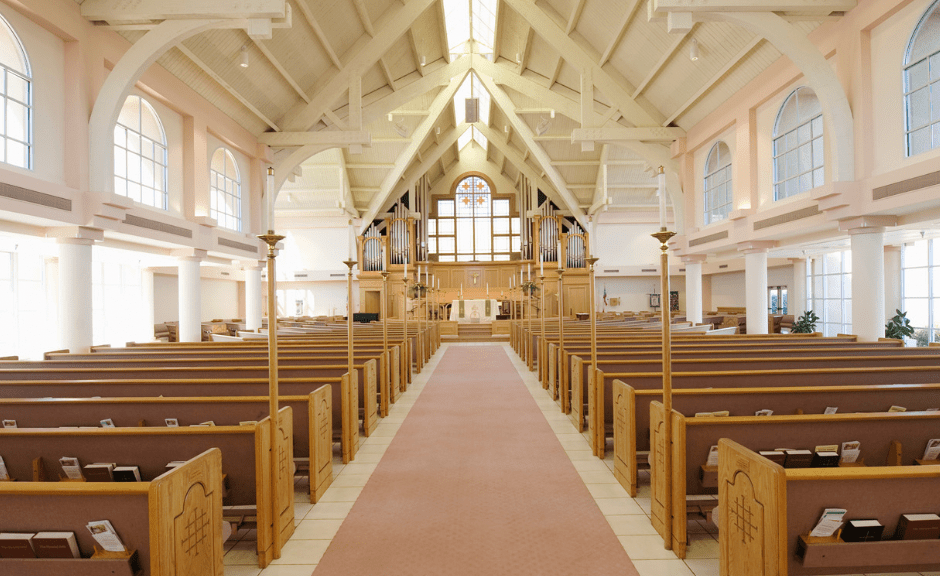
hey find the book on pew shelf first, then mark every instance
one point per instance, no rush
(712, 456)
(825, 460)
(850, 452)
(932, 410)
(831, 410)
(56, 545)
(775, 456)
(897, 409)
(71, 467)
(248, 423)
(798, 459)
(17, 545)
(107, 423)
(4, 475)
(99, 472)
(9, 423)
(932, 452)
(764, 412)
(862, 531)
(830, 521)
(918, 527)
(105, 535)
(171, 422)
(126, 474)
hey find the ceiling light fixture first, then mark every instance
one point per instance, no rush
(401, 129)
(424, 61)
(552, 113)
(244, 57)
(543, 126)
(693, 50)
(437, 131)
(390, 117)
(506, 128)
(518, 58)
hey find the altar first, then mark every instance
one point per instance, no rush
(473, 311)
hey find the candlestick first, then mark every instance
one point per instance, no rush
(561, 264)
(270, 198)
(541, 264)
(529, 273)
(662, 198)
(352, 240)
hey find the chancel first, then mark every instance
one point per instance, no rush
(469, 287)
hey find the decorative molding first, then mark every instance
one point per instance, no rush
(26, 195)
(788, 217)
(909, 185)
(157, 226)
(710, 238)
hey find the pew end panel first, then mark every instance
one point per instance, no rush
(752, 529)
(677, 540)
(598, 398)
(284, 497)
(384, 386)
(396, 372)
(321, 442)
(577, 404)
(625, 461)
(370, 414)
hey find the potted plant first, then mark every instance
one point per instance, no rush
(417, 289)
(899, 327)
(805, 324)
(529, 288)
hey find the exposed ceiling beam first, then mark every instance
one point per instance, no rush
(621, 30)
(817, 6)
(323, 137)
(660, 64)
(388, 74)
(318, 32)
(526, 50)
(118, 10)
(522, 129)
(387, 33)
(336, 120)
(346, 194)
(735, 60)
(440, 103)
(600, 192)
(383, 166)
(363, 16)
(442, 28)
(558, 64)
(575, 16)
(414, 51)
(283, 71)
(434, 156)
(611, 134)
(226, 86)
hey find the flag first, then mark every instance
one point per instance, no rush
(605, 294)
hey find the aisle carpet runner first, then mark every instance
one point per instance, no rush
(475, 483)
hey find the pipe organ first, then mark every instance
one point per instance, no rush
(373, 250)
(399, 235)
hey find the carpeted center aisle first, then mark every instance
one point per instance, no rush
(475, 483)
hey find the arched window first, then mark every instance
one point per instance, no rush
(922, 84)
(16, 90)
(473, 225)
(225, 190)
(799, 157)
(140, 158)
(718, 183)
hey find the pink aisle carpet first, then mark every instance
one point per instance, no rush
(475, 483)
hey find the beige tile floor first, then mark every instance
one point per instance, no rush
(628, 517)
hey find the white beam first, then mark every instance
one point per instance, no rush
(283, 71)
(575, 16)
(387, 34)
(645, 134)
(522, 129)
(599, 198)
(387, 72)
(318, 32)
(526, 50)
(587, 107)
(363, 16)
(440, 103)
(816, 6)
(660, 64)
(123, 10)
(434, 155)
(412, 41)
(328, 138)
(621, 30)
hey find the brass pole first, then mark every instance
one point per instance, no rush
(542, 332)
(663, 236)
(561, 326)
(404, 313)
(528, 337)
(349, 316)
(522, 344)
(271, 239)
(385, 310)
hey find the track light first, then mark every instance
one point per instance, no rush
(437, 131)
(693, 50)
(390, 117)
(543, 126)
(424, 61)
(244, 57)
(401, 128)
(518, 58)
(506, 128)
(552, 114)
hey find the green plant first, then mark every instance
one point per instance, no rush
(900, 328)
(805, 324)
(529, 288)
(922, 338)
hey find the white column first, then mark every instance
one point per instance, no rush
(868, 283)
(253, 297)
(75, 301)
(146, 296)
(190, 299)
(892, 278)
(755, 288)
(693, 289)
(796, 299)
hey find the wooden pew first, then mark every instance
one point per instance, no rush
(313, 430)
(824, 377)
(632, 412)
(881, 435)
(766, 510)
(172, 523)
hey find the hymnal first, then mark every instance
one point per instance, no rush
(798, 459)
(16, 545)
(831, 410)
(248, 423)
(712, 456)
(105, 535)
(825, 460)
(862, 531)
(4, 475)
(918, 527)
(71, 467)
(207, 423)
(850, 452)
(932, 452)
(56, 545)
(126, 474)
(764, 412)
(172, 422)
(99, 472)
(897, 409)
(107, 423)
(775, 456)
(830, 522)
(9, 423)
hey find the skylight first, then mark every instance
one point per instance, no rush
(470, 19)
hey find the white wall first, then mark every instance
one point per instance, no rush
(166, 299)
(728, 288)
(634, 292)
(319, 249)
(219, 299)
(329, 297)
(626, 244)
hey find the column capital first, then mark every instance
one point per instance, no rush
(694, 258)
(892, 248)
(190, 254)
(75, 235)
(756, 246)
(867, 224)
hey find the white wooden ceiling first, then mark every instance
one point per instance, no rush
(297, 70)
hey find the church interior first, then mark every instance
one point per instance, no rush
(634, 287)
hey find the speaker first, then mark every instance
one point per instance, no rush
(472, 108)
